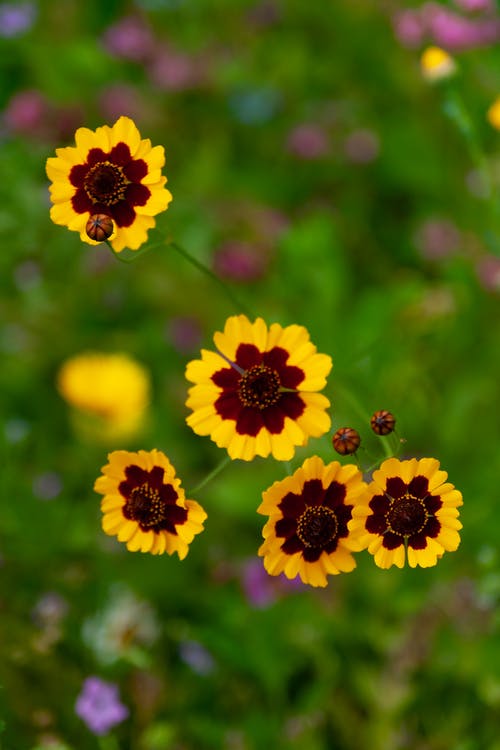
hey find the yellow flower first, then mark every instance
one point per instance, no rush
(111, 387)
(409, 510)
(308, 532)
(145, 506)
(436, 64)
(493, 114)
(111, 172)
(256, 395)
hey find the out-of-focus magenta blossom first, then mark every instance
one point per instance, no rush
(488, 273)
(408, 27)
(16, 18)
(130, 38)
(446, 28)
(26, 112)
(176, 71)
(99, 705)
(121, 99)
(184, 333)
(240, 261)
(308, 141)
(261, 589)
(362, 146)
(436, 239)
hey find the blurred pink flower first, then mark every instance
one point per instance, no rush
(408, 28)
(454, 32)
(121, 99)
(240, 261)
(308, 141)
(436, 239)
(184, 333)
(475, 6)
(488, 273)
(130, 38)
(175, 71)
(362, 146)
(26, 112)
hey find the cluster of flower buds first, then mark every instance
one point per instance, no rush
(347, 440)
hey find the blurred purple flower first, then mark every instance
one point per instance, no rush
(99, 706)
(488, 273)
(408, 27)
(308, 141)
(437, 238)
(47, 486)
(26, 112)
(130, 38)
(362, 146)
(454, 32)
(184, 333)
(261, 589)
(239, 261)
(197, 657)
(16, 18)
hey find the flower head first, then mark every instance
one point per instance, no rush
(113, 388)
(409, 509)
(436, 64)
(99, 705)
(308, 532)
(256, 395)
(145, 506)
(111, 172)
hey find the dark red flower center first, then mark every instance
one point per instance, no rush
(317, 526)
(105, 183)
(146, 507)
(259, 387)
(406, 515)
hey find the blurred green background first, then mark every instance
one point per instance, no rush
(314, 169)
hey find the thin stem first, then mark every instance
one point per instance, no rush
(347, 395)
(108, 742)
(225, 461)
(213, 277)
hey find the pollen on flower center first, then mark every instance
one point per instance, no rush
(146, 507)
(406, 515)
(317, 526)
(259, 387)
(105, 183)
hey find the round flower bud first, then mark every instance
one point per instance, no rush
(346, 441)
(383, 422)
(99, 227)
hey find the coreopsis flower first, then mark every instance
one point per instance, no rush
(436, 64)
(110, 172)
(257, 394)
(144, 504)
(409, 511)
(493, 114)
(308, 532)
(113, 389)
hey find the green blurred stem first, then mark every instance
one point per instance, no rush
(362, 414)
(213, 277)
(108, 742)
(225, 461)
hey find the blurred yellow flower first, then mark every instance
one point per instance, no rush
(436, 64)
(111, 174)
(110, 389)
(493, 114)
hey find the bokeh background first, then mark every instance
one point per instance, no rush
(318, 172)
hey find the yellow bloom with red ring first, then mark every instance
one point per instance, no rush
(144, 505)
(111, 172)
(410, 512)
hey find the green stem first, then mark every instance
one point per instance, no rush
(212, 276)
(347, 396)
(225, 461)
(108, 742)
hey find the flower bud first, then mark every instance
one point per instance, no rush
(346, 441)
(99, 227)
(383, 422)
